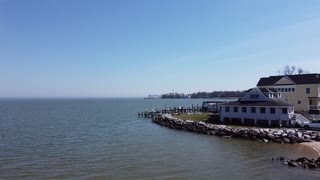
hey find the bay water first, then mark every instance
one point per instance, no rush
(105, 139)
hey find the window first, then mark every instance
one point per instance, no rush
(272, 110)
(285, 89)
(307, 90)
(254, 96)
(235, 109)
(293, 89)
(298, 102)
(244, 109)
(262, 110)
(289, 89)
(227, 109)
(253, 109)
(284, 111)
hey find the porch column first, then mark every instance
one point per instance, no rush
(242, 121)
(269, 123)
(287, 123)
(255, 122)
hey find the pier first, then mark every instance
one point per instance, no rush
(174, 110)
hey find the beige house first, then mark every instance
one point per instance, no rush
(302, 91)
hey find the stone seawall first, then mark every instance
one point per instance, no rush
(257, 134)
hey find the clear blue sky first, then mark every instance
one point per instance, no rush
(106, 48)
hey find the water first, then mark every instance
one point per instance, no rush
(104, 139)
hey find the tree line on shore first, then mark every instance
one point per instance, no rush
(287, 70)
(214, 94)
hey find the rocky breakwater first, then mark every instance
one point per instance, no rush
(257, 134)
(301, 162)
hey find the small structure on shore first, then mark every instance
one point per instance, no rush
(261, 107)
(211, 106)
(153, 97)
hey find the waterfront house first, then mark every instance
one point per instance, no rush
(302, 91)
(258, 107)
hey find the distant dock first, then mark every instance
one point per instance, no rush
(174, 110)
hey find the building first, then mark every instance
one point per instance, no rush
(153, 97)
(211, 106)
(259, 107)
(302, 91)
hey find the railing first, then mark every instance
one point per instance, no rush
(313, 107)
(313, 117)
(301, 119)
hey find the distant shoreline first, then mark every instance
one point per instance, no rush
(200, 98)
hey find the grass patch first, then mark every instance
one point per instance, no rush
(194, 117)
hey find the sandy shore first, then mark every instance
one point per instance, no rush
(314, 145)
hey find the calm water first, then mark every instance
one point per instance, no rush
(104, 139)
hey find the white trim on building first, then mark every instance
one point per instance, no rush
(256, 106)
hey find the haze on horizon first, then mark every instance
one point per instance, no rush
(125, 48)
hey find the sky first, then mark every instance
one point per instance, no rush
(133, 48)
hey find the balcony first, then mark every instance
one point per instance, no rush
(313, 117)
(314, 107)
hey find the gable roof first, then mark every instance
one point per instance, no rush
(297, 79)
(259, 95)
(285, 80)
(261, 101)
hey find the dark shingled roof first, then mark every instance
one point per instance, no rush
(255, 103)
(273, 90)
(297, 79)
(264, 90)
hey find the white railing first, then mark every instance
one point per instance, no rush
(313, 107)
(301, 119)
(313, 117)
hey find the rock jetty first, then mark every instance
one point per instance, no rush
(301, 162)
(257, 134)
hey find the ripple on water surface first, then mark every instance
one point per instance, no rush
(104, 139)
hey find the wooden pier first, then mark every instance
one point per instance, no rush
(175, 110)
